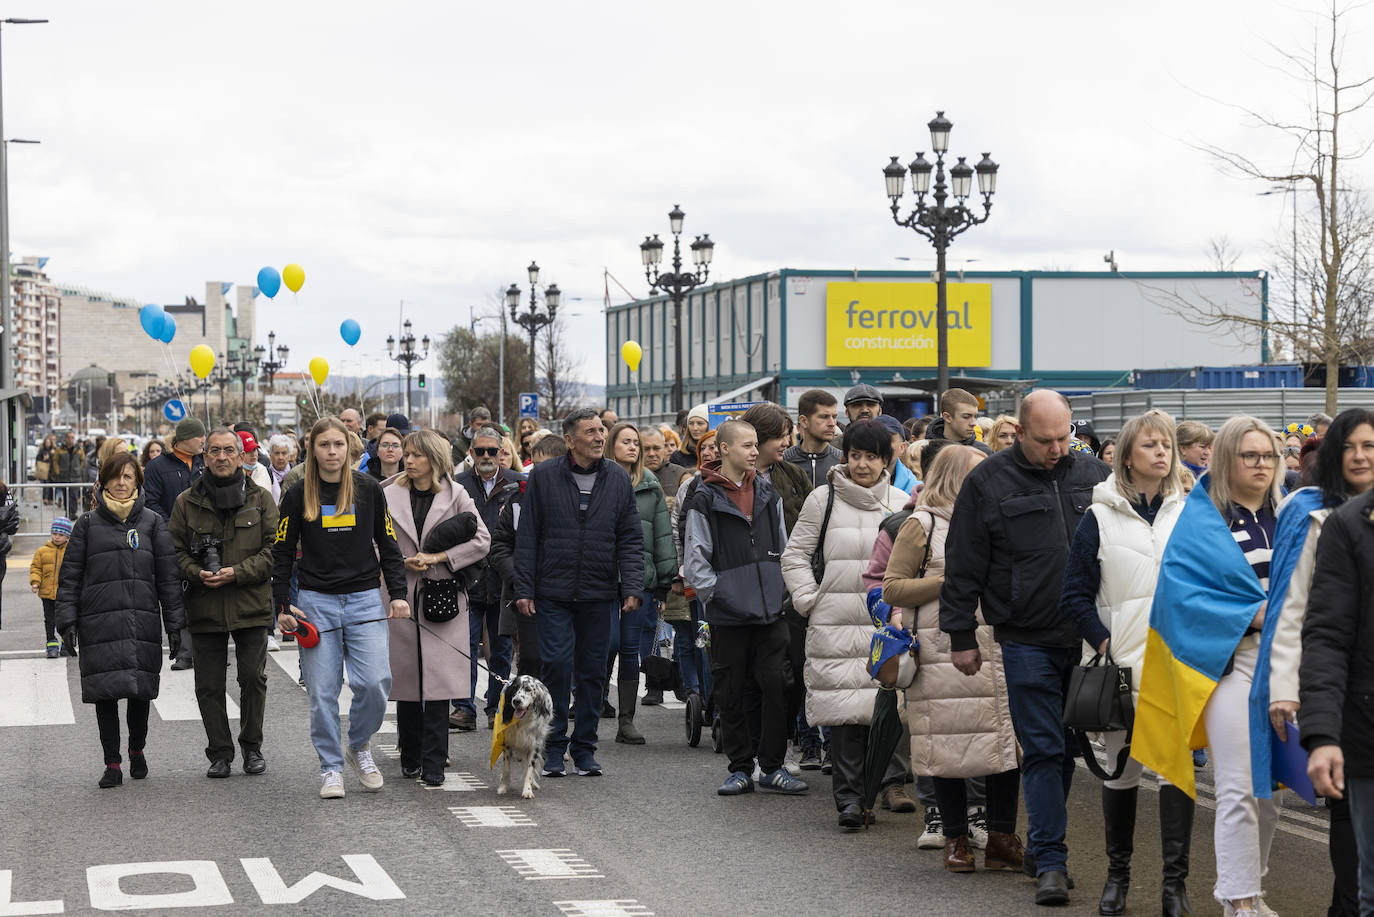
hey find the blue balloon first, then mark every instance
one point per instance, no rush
(269, 281)
(351, 331)
(151, 317)
(169, 329)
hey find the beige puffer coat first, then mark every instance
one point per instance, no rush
(839, 691)
(960, 726)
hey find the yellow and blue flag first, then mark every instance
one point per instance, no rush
(1204, 600)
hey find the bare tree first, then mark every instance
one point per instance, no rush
(470, 365)
(1330, 314)
(560, 387)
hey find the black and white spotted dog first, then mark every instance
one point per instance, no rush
(527, 710)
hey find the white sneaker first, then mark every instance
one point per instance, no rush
(978, 827)
(332, 786)
(933, 837)
(366, 769)
(1263, 909)
(272, 645)
(1230, 910)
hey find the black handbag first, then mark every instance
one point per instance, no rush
(439, 599)
(1099, 700)
(818, 555)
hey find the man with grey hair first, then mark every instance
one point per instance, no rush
(352, 420)
(1005, 553)
(1319, 423)
(278, 461)
(579, 562)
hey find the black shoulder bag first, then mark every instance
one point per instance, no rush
(1099, 700)
(818, 555)
(439, 599)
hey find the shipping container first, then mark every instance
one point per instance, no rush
(1258, 375)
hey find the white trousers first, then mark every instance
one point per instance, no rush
(1245, 825)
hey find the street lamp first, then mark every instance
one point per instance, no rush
(938, 222)
(407, 356)
(264, 358)
(533, 320)
(677, 283)
(244, 366)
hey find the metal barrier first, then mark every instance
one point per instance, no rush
(40, 504)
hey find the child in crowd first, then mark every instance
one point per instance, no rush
(43, 573)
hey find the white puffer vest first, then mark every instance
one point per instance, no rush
(1129, 554)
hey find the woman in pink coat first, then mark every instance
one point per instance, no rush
(440, 532)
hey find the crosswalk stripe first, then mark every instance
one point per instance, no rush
(34, 692)
(608, 907)
(549, 863)
(176, 695)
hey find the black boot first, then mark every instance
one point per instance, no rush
(1118, 814)
(1176, 838)
(627, 733)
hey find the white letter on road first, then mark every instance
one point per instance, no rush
(375, 883)
(106, 895)
(10, 908)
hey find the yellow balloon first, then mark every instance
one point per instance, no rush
(631, 353)
(202, 360)
(293, 275)
(319, 369)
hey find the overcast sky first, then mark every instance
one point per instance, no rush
(425, 152)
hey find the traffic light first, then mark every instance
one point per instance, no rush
(422, 380)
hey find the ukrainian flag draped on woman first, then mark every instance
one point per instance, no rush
(1206, 596)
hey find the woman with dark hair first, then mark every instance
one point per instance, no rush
(120, 589)
(1108, 450)
(1343, 468)
(387, 463)
(839, 693)
(151, 450)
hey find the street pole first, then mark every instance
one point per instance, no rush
(677, 283)
(407, 390)
(501, 374)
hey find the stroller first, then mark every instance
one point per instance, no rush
(688, 675)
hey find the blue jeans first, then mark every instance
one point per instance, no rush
(1037, 680)
(364, 648)
(500, 652)
(1360, 792)
(696, 675)
(574, 640)
(628, 634)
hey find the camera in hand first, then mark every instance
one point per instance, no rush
(206, 550)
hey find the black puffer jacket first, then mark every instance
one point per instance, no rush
(114, 577)
(1337, 693)
(9, 524)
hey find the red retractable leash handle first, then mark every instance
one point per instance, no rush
(308, 635)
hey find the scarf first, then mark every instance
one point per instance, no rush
(120, 508)
(226, 493)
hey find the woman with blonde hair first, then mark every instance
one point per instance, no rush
(510, 456)
(1203, 648)
(339, 517)
(1109, 585)
(1002, 434)
(960, 726)
(439, 531)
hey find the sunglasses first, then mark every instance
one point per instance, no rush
(486, 450)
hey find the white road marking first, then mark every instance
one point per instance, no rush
(609, 907)
(549, 863)
(176, 695)
(459, 783)
(34, 692)
(492, 817)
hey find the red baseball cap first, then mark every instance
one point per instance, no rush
(249, 443)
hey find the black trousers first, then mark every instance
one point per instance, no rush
(1345, 861)
(1003, 793)
(743, 655)
(848, 744)
(107, 718)
(50, 619)
(422, 735)
(527, 635)
(212, 657)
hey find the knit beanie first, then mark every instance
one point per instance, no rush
(698, 412)
(62, 526)
(188, 428)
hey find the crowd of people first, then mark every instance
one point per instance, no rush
(1229, 571)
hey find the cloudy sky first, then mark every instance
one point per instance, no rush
(425, 152)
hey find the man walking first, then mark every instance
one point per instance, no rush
(818, 416)
(957, 420)
(222, 529)
(862, 402)
(165, 478)
(732, 556)
(579, 560)
(462, 440)
(69, 467)
(1007, 547)
(487, 484)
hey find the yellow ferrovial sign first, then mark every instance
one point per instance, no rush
(893, 324)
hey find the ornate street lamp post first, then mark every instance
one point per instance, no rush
(408, 356)
(533, 320)
(272, 359)
(243, 366)
(938, 221)
(677, 283)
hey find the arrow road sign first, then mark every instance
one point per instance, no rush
(174, 410)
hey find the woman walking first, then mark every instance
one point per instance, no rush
(960, 726)
(1109, 584)
(839, 691)
(660, 566)
(1203, 647)
(339, 518)
(439, 532)
(387, 463)
(120, 590)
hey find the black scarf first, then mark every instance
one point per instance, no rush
(226, 493)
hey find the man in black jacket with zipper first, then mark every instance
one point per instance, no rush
(579, 561)
(1008, 544)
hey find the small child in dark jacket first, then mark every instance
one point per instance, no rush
(43, 573)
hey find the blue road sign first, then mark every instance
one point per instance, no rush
(174, 410)
(529, 405)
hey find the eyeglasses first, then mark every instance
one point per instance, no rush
(388, 445)
(1257, 459)
(222, 450)
(486, 450)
